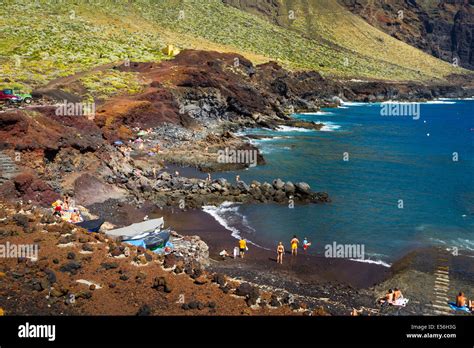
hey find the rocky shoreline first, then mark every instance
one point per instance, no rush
(187, 115)
(79, 273)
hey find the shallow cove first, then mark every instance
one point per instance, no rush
(400, 188)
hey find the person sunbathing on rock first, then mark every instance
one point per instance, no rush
(66, 203)
(461, 300)
(397, 294)
(57, 208)
(388, 299)
(75, 216)
(224, 254)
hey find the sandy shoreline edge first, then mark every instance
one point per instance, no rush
(197, 222)
(343, 283)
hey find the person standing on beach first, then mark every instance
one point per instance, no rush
(242, 247)
(294, 246)
(236, 252)
(306, 244)
(280, 252)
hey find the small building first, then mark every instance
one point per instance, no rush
(170, 50)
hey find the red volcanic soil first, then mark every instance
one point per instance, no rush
(49, 285)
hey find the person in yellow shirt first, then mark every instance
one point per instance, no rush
(294, 246)
(242, 247)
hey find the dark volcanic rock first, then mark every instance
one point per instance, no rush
(162, 283)
(71, 255)
(169, 261)
(109, 265)
(87, 247)
(219, 278)
(144, 310)
(303, 187)
(274, 302)
(21, 220)
(250, 292)
(278, 184)
(51, 276)
(71, 267)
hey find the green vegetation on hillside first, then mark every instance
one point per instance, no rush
(42, 41)
(45, 40)
(104, 84)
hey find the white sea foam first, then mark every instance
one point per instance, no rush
(459, 243)
(318, 113)
(265, 139)
(354, 104)
(422, 227)
(440, 102)
(330, 127)
(292, 129)
(397, 102)
(218, 213)
(377, 262)
(266, 150)
(471, 98)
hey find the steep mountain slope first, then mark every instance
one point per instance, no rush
(444, 29)
(45, 40)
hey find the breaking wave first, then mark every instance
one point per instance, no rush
(228, 216)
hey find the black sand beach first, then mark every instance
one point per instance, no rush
(305, 268)
(317, 280)
(338, 285)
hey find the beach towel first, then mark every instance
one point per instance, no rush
(457, 308)
(167, 249)
(136, 242)
(91, 225)
(157, 239)
(401, 302)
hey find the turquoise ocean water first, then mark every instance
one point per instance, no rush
(425, 165)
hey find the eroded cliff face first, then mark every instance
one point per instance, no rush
(443, 28)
